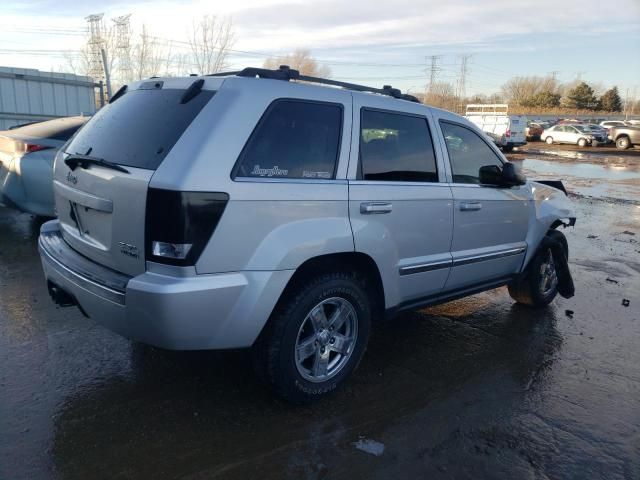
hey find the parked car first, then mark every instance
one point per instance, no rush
(625, 137)
(26, 163)
(599, 131)
(612, 123)
(506, 130)
(533, 131)
(575, 134)
(285, 216)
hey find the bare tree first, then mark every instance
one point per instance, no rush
(300, 60)
(441, 95)
(148, 56)
(210, 39)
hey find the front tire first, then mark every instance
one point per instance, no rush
(549, 140)
(623, 143)
(538, 286)
(582, 143)
(315, 337)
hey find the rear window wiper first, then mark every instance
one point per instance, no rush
(84, 161)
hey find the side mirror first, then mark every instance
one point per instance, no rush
(512, 177)
(490, 175)
(507, 176)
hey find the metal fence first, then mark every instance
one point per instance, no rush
(29, 95)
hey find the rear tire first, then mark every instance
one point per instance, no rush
(549, 140)
(507, 148)
(315, 337)
(538, 286)
(623, 143)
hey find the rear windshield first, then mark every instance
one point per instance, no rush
(58, 129)
(140, 128)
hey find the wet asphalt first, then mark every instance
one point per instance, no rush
(476, 388)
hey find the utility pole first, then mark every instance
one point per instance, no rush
(107, 76)
(626, 104)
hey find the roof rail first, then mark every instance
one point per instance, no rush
(285, 73)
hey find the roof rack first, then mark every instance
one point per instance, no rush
(285, 73)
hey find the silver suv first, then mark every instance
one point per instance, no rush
(262, 209)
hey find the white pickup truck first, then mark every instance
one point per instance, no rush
(506, 131)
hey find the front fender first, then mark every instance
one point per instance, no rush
(550, 207)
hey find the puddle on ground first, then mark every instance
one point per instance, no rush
(620, 182)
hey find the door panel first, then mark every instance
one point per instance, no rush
(489, 223)
(404, 225)
(410, 244)
(488, 242)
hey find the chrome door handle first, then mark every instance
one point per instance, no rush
(374, 207)
(470, 206)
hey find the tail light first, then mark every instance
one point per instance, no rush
(507, 133)
(32, 147)
(179, 224)
(18, 146)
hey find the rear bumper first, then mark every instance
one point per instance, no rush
(179, 313)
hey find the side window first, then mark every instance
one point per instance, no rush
(467, 153)
(294, 139)
(396, 147)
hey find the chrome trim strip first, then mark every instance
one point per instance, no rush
(83, 198)
(488, 256)
(427, 267)
(424, 267)
(82, 282)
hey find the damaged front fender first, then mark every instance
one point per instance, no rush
(551, 208)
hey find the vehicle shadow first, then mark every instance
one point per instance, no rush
(205, 413)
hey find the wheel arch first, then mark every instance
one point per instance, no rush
(357, 262)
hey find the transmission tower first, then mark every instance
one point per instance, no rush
(462, 82)
(433, 71)
(123, 47)
(95, 44)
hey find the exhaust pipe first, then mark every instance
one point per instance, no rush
(60, 296)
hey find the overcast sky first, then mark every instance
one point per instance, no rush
(367, 41)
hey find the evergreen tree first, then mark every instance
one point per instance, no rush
(611, 101)
(546, 99)
(581, 98)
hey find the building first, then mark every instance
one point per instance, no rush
(29, 95)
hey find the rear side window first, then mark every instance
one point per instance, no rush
(140, 128)
(467, 153)
(294, 139)
(396, 147)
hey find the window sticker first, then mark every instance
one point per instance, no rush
(311, 174)
(269, 172)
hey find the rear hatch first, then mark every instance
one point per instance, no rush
(101, 176)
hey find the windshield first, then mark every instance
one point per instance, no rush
(582, 128)
(139, 128)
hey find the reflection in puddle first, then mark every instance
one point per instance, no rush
(621, 182)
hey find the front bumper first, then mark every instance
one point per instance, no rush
(217, 311)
